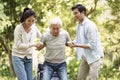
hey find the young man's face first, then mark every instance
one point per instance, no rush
(55, 29)
(78, 16)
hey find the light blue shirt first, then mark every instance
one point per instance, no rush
(90, 36)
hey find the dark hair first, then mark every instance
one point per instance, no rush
(80, 8)
(27, 12)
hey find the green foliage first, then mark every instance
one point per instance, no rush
(73, 67)
(105, 13)
(114, 4)
(4, 70)
(110, 72)
(112, 30)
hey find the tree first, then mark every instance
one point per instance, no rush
(10, 12)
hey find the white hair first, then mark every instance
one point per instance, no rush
(56, 20)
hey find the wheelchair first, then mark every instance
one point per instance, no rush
(40, 73)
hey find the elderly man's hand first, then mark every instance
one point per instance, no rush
(39, 46)
(70, 44)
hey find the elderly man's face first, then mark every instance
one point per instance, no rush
(55, 29)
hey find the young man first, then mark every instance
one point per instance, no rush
(88, 44)
(55, 41)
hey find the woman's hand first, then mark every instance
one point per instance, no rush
(39, 46)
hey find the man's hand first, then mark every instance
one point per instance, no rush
(70, 44)
(80, 45)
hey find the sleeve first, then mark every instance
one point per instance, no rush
(18, 40)
(43, 39)
(38, 32)
(92, 36)
(68, 39)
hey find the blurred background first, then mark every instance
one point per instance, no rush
(105, 13)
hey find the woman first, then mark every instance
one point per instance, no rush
(24, 46)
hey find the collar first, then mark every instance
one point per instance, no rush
(85, 19)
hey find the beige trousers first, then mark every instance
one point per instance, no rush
(89, 71)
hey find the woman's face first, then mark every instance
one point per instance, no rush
(29, 21)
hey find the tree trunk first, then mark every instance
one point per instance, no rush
(9, 52)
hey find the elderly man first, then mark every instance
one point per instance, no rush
(55, 41)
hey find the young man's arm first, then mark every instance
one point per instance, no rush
(81, 45)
